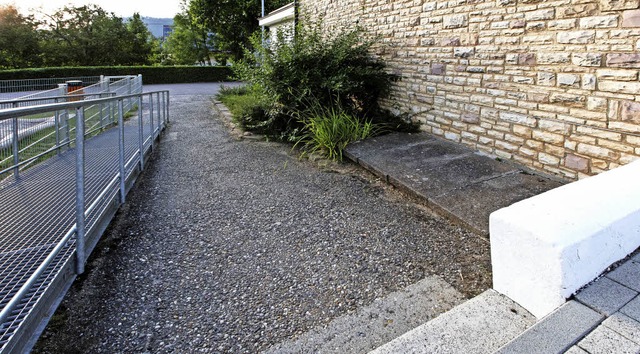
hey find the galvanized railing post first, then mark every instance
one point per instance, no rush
(141, 134)
(80, 180)
(123, 191)
(56, 117)
(159, 114)
(16, 146)
(164, 108)
(152, 132)
(168, 105)
(67, 127)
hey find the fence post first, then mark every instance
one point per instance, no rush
(168, 105)
(62, 88)
(123, 191)
(152, 132)
(164, 109)
(141, 134)
(56, 117)
(80, 207)
(160, 113)
(16, 146)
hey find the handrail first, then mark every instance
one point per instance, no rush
(23, 111)
(82, 211)
(68, 96)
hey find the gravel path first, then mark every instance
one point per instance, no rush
(230, 245)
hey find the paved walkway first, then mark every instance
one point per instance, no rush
(230, 245)
(467, 187)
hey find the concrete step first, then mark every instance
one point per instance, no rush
(480, 325)
(378, 323)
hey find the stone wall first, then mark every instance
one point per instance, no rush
(553, 85)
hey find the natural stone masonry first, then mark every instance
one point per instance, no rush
(550, 84)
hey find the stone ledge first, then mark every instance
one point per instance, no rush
(546, 247)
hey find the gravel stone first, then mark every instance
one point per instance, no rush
(229, 245)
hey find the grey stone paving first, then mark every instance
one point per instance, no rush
(466, 187)
(480, 325)
(451, 178)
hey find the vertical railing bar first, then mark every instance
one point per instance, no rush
(123, 190)
(152, 131)
(80, 184)
(159, 114)
(16, 147)
(141, 134)
(56, 117)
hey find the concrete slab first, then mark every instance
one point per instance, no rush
(604, 340)
(382, 321)
(476, 202)
(606, 296)
(451, 178)
(624, 325)
(557, 332)
(480, 325)
(627, 274)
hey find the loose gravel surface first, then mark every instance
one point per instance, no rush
(230, 245)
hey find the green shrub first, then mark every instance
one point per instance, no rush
(315, 69)
(329, 130)
(150, 74)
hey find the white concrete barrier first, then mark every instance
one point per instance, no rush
(546, 247)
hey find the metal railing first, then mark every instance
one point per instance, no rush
(25, 85)
(26, 139)
(136, 132)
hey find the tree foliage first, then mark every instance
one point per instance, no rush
(73, 36)
(19, 44)
(233, 22)
(188, 43)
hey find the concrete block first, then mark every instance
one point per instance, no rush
(543, 249)
(632, 309)
(627, 274)
(606, 296)
(556, 332)
(624, 325)
(605, 340)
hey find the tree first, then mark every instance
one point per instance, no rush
(85, 36)
(141, 46)
(187, 44)
(233, 22)
(19, 45)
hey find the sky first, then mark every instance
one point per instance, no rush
(122, 8)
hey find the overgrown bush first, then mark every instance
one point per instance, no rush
(312, 69)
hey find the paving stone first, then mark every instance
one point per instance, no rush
(556, 332)
(627, 274)
(606, 296)
(605, 340)
(576, 350)
(624, 325)
(632, 309)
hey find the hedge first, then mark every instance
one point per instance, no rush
(150, 74)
